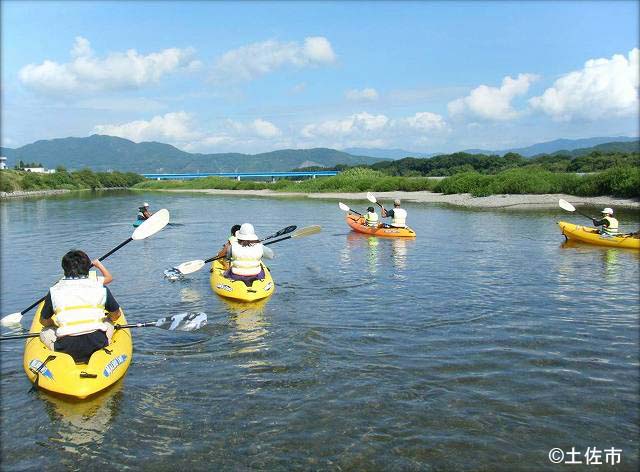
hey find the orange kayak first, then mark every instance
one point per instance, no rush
(357, 224)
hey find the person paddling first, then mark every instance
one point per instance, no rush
(371, 217)
(398, 215)
(143, 212)
(74, 309)
(608, 222)
(227, 245)
(245, 255)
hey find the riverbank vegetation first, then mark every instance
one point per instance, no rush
(13, 181)
(619, 181)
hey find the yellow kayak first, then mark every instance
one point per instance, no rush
(57, 372)
(238, 290)
(590, 235)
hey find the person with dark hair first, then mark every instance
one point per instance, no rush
(245, 255)
(74, 309)
(225, 248)
(371, 218)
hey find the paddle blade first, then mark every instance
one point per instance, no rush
(308, 231)
(282, 232)
(190, 267)
(343, 207)
(12, 319)
(371, 198)
(565, 205)
(151, 226)
(183, 322)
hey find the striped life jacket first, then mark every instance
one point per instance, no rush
(613, 225)
(245, 260)
(78, 306)
(371, 219)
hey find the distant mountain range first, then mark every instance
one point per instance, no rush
(388, 153)
(103, 153)
(551, 147)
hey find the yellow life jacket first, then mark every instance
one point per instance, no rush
(371, 219)
(245, 260)
(613, 225)
(78, 306)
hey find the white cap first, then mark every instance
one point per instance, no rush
(246, 233)
(607, 210)
(396, 202)
(145, 204)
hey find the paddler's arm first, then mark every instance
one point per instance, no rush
(383, 212)
(47, 312)
(112, 307)
(108, 278)
(602, 222)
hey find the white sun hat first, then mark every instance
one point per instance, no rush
(145, 204)
(607, 210)
(246, 233)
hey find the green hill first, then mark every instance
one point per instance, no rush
(104, 153)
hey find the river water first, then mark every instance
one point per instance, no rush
(481, 345)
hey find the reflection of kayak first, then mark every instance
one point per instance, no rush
(237, 289)
(357, 224)
(57, 372)
(591, 235)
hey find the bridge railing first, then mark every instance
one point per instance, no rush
(241, 175)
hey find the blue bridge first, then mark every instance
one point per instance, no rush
(242, 175)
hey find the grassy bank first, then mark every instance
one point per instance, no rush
(12, 181)
(621, 181)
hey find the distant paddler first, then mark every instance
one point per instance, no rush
(608, 222)
(143, 212)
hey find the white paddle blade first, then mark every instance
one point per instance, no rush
(565, 205)
(190, 267)
(12, 319)
(151, 226)
(183, 322)
(308, 231)
(343, 207)
(371, 198)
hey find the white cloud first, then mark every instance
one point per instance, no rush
(365, 129)
(426, 121)
(355, 124)
(603, 88)
(492, 103)
(257, 59)
(172, 127)
(366, 94)
(181, 130)
(87, 74)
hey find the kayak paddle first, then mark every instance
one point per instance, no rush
(150, 227)
(194, 266)
(344, 207)
(181, 322)
(565, 205)
(372, 199)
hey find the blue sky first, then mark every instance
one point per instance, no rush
(259, 76)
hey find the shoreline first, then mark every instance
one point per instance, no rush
(524, 201)
(464, 200)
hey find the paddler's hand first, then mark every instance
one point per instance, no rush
(97, 264)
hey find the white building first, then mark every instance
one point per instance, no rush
(3, 162)
(39, 170)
